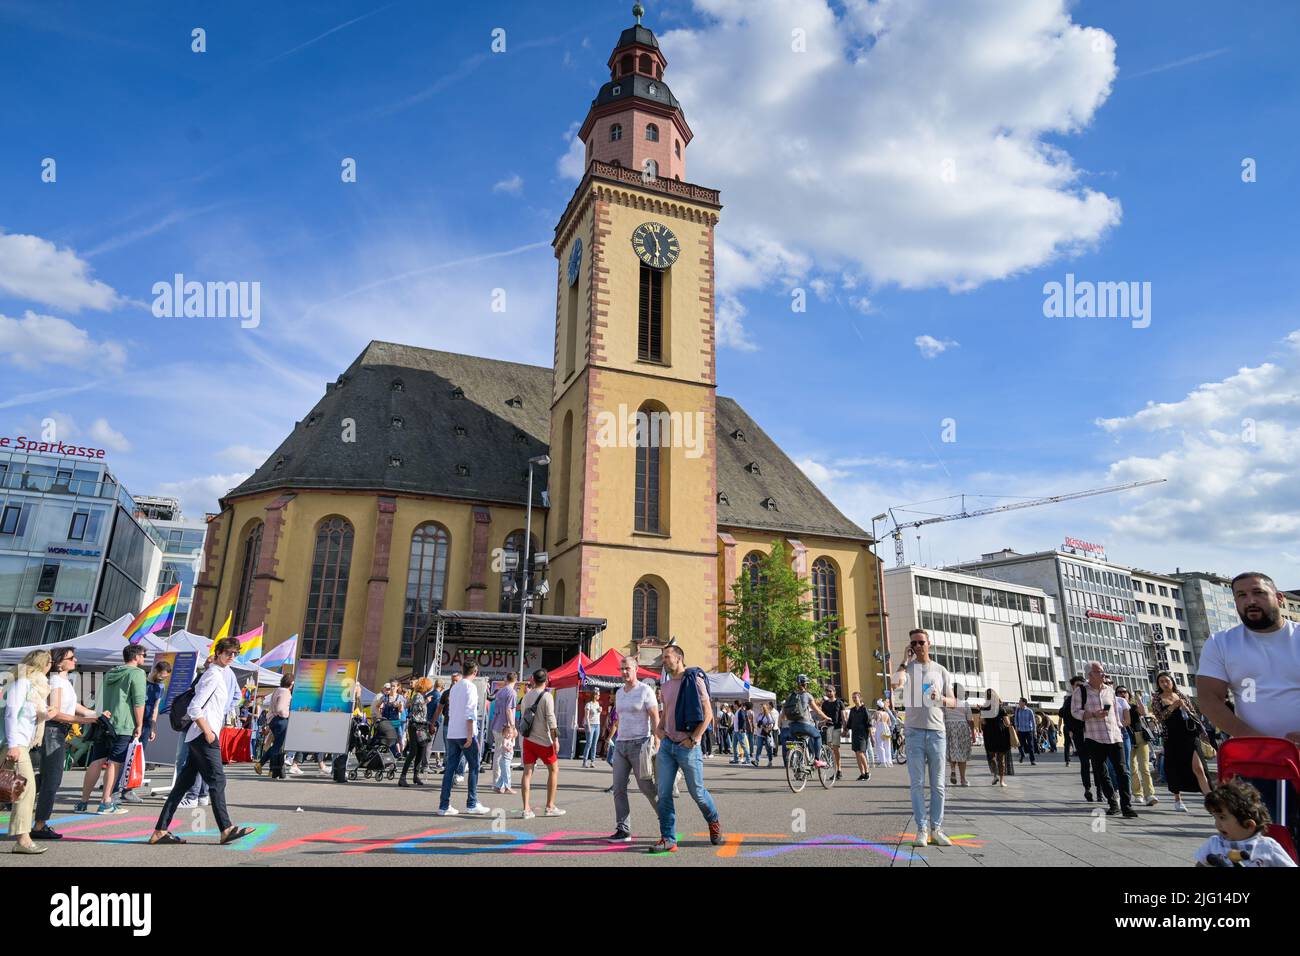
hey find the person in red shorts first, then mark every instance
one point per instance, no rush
(541, 742)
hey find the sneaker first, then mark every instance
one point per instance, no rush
(554, 812)
(1002, 783)
(527, 814)
(1112, 811)
(922, 837)
(662, 847)
(1152, 801)
(1181, 807)
(1130, 812)
(110, 809)
(618, 836)
(205, 801)
(322, 767)
(819, 764)
(715, 832)
(449, 812)
(295, 771)
(46, 833)
(187, 803)
(478, 810)
(80, 807)
(460, 778)
(131, 797)
(839, 774)
(939, 838)
(257, 767)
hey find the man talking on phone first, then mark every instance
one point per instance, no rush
(1103, 741)
(927, 689)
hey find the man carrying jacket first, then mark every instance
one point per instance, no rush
(686, 712)
(1074, 735)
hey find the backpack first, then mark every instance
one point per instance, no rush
(791, 710)
(527, 717)
(180, 720)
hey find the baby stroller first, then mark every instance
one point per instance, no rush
(374, 759)
(1272, 765)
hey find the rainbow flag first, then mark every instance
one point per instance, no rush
(250, 645)
(282, 654)
(155, 617)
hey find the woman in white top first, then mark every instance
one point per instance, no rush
(884, 727)
(24, 723)
(592, 720)
(64, 711)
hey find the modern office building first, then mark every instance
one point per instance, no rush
(72, 555)
(986, 634)
(1290, 605)
(1095, 603)
(1207, 598)
(1162, 618)
(182, 552)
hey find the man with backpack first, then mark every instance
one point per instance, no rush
(687, 710)
(205, 706)
(798, 710)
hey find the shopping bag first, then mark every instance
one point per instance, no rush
(135, 766)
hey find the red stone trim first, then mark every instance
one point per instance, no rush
(377, 589)
(477, 589)
(268, 565)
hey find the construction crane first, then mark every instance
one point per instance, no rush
(1033, 503)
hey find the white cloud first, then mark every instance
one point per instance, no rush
(931, 347)
(818, 473)
(39, 341)
(1265, 386)
(729, 325)
(108, 436)
(573, 163)
(34, 269)
(513, 184)
(199, 495)
(243, 456)
(902, 152)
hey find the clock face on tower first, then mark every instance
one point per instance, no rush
(655, 245)
(575, 261)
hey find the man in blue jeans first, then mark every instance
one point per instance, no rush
(687, 711)
(926, 688)
(462, 738)
(799, 709)
(1026, 727)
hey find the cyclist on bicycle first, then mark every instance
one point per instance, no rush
(798, 710)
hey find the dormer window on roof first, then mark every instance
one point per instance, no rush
(278, 462)
(520, 438)
(770, 504)
(396, 421)
(398, 385)
(394, 461)
(738, 435)
(462, 470)
(753, 468)
(457, 392)
(460, 431)
(515, 402)
(723, 499)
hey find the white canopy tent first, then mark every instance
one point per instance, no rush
(726, 686)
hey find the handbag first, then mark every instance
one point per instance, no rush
(1015, 737)
(12, 783)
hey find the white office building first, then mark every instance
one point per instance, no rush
(987, 634)
(1162, 618)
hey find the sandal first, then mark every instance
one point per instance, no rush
(236, 833)
(166, 839)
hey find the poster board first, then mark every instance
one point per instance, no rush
(320, 710)
(566, 715)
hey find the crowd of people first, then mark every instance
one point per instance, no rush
(1249, 685)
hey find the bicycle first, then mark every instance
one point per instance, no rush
(799, 765)
(899, 743)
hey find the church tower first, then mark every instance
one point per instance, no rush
(632, 528)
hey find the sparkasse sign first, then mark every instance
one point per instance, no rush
(23, 443)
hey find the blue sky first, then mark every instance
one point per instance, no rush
(1099, 139)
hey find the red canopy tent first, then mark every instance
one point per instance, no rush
(605, 671)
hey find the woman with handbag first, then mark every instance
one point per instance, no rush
(1182, 728)
(1139, 771)
(997, 736)
(418, 745)
(24, 724)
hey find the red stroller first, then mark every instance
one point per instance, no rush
(1272, 764)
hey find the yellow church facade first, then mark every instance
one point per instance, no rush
(404, 490)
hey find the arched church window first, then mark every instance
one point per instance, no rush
(616, 132)
(652, 132)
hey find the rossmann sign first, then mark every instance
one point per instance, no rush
(1088, 546)
(23, 443)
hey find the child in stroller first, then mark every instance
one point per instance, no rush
(374, 758)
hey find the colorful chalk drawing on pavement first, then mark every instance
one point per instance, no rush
(443, 841)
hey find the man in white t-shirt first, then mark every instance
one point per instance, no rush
(638, 719)
(462, 738)
(1259, 660)
(926, 688)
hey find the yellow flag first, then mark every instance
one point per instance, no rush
(224, 632)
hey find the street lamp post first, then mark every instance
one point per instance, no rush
(525, 584)
(880, 604)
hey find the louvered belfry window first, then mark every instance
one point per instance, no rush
(647, 479)
(650, 328)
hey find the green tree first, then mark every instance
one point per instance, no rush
(770, 628)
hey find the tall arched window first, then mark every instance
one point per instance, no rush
(650, 316)
(560, 487)
(652, 132)
(426, 582)
(559, 599)
(826, 606)
(752, 566)
(322, 632)
(649, 446)
(616, 132)
(677, 148)
(515, 545)
(645, 612)
(252, 555)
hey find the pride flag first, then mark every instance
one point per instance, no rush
(281, 654)
(155, 617)
(250, 645)
(745, 677)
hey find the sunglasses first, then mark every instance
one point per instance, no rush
(919, 643)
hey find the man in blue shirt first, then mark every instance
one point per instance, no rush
(1026, 726)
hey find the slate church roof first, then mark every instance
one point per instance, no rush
(460, 426)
